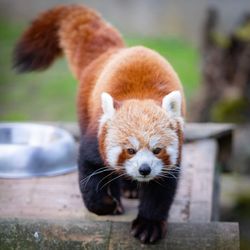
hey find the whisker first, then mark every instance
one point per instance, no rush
(159, 183)
(95, 172)
(175, 169)
(103, 180)
(98, 171)
(171, 166)
(160, 176)
(112, 180)
(168, 175)
(122, 167)
(170, 172)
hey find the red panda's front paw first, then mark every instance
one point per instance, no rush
(113, 205)
(105, 204)
(148, 231)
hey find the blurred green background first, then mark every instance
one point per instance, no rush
(50, 95)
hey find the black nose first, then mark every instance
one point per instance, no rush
(144, 169)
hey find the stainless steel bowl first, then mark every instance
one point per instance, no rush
(28, 150)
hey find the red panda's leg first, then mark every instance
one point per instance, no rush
(129, 189)
(98, 197)
(155, 201)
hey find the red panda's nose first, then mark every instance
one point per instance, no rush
(144, 169)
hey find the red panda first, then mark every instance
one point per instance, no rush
(130, 107)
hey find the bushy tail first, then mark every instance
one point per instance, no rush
(76, 31)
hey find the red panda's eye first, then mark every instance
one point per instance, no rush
(156, 151)
(131, 151)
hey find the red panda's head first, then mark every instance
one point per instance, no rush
(141, 137)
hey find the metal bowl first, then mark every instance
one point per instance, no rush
(28, 150)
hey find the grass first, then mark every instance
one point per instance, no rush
(50, 95)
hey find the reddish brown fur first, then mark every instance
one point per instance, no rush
(123, 157)
(98, 59)
(165, 159)
(102, 141)
(142, 75)
(38, 47)
(162, 155)
(135, 118)
(138, 79)
(77, 31)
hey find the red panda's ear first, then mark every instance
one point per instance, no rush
(107, 104)
(172, 103)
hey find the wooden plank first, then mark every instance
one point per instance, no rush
(202, 194)
(196, 184)
(199, 131)
(182, 236)
(28, 234)
(59, 197)
(223, 134)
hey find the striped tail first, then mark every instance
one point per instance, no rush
(76, 31)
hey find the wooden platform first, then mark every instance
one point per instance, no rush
(56, 200)
(59, 197)
(67, 235)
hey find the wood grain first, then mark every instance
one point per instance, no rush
(59, 197)
(34, 234)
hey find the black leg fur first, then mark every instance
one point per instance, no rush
(155, 197)
(155, 201)
(99, 198)
(129, 189)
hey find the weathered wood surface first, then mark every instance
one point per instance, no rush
(60, 220)
(198, 131)
(223, 133)
(59, 197)
(28, 234)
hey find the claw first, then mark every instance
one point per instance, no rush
(154, 236)
(144, 236)
(148, 231)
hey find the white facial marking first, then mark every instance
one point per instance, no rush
(154, 141)
(143, 156)
(102, 121)
(173, 150)
(112, 155)
(135, 143)
(172, 103)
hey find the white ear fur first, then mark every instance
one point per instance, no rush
(107, 104)
(172, 103)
